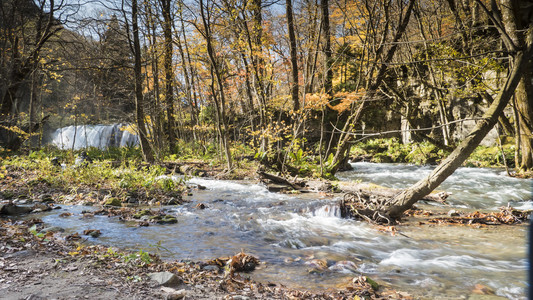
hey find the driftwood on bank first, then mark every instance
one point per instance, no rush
(276, 183)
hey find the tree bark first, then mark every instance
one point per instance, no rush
(511, 19)
(145, 147)
(169, 74)
(216, 73)
(410, 196)
(294, 58)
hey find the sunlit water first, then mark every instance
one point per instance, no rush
(285, 231)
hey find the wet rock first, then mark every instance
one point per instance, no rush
(166, 219)
(92, 232)
(316, 265)
(344, 266)
(173, 201)
(453, 213)
(132, 200)
(201, 206)
(201, 187)
(165, 279)
(52, 229)
(112, 202)
(142, 213)
(39, 207)
(22, 201)
(172, 294)
(46, 198)
(13, 210)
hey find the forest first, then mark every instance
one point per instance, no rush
(290, 92)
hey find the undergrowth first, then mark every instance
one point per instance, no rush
(393, 151)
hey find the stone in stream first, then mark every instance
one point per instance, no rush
(13, 210)
(173, 201)
(46, 198)
(165, 278)
(52, 229)
(316, 265)
(39, 207)
(344, 266)
(166, 219)
(112, 202)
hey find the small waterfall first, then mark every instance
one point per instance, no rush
(99, 136)
(328, 211)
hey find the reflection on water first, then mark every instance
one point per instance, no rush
(285, 231)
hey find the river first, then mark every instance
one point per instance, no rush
(288, 231)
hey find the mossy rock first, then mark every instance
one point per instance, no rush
(167, 220)
(142, 213)
(113, 202)
(373, 284)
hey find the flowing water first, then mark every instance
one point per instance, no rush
(288, 231)
(99, 136)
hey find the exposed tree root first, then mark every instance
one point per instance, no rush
(365, 206)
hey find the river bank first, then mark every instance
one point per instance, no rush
(299, 236)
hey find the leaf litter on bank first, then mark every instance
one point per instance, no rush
(506, 216)
(131, 268)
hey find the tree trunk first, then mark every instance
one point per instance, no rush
(511, 18)
(215, 72)
(169, 74)
(145, 147)
(294, 58)
(346, 137)
(410, 196)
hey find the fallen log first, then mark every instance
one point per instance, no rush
(279, 180)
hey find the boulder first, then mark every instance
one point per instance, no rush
(113, 202)
(165, 278)
(13, 210)
(41, 207)
(166, 219)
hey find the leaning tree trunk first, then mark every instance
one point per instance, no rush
(406, 199)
